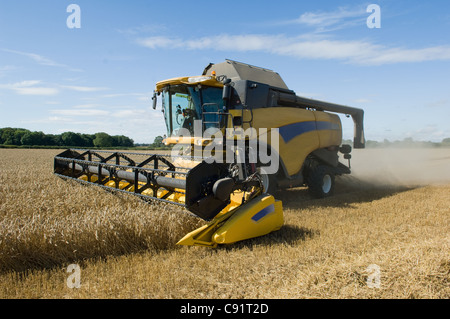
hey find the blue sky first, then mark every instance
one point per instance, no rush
(100, 77)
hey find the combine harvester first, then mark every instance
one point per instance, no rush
(235, 193)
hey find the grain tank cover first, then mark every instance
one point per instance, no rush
(236, 71)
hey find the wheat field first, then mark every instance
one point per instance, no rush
(393, 212)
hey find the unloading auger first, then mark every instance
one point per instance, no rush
(234, 194)
(234, 209)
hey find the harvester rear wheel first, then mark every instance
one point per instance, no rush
(321, 181)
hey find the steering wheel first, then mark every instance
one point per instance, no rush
(179, 112)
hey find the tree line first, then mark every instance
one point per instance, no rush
(22, 137)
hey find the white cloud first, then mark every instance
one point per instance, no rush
(41, 59)
(37, 91)
(157, 42)
(80, 112)
(124, 113)
(341, 18)
(119, 122)
(144, 99)
(84, 88)
(50, 119)
(145, 28)
(86, 106)
(350, 51)
(30, 88)
(397, 55)
(23, 84)
(6, 69)
(36, 57)
(219, 42)
(139, 96)
(52, 103)
(130, 113)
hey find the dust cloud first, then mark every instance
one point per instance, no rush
(401, 167)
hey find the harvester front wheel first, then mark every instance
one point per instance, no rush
(269, 181)
(321, 181)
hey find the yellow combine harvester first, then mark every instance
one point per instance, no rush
(240, 134)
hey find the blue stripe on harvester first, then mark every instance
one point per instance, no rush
(266, 211)
(327, 126)
(288, 132)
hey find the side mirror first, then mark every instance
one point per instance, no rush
(155, 100)
(226, 96)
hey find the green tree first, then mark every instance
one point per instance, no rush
(124, 141)
(8, 136)
(88, 140)
(18, 136)
(103, 140)
(33, 138)
(54, 140)
(71, 139)
(158, 142)
(12, 136)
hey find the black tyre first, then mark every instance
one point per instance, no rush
(321, 181)
(269, 181)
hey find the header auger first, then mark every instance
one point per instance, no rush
(229, 115)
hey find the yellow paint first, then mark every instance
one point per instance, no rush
(241, 226)
(294, 152)
(329, 137)
(185, 80)
(235, 225)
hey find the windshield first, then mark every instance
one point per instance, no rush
(183, 104)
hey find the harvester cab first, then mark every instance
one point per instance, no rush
(238, 134)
